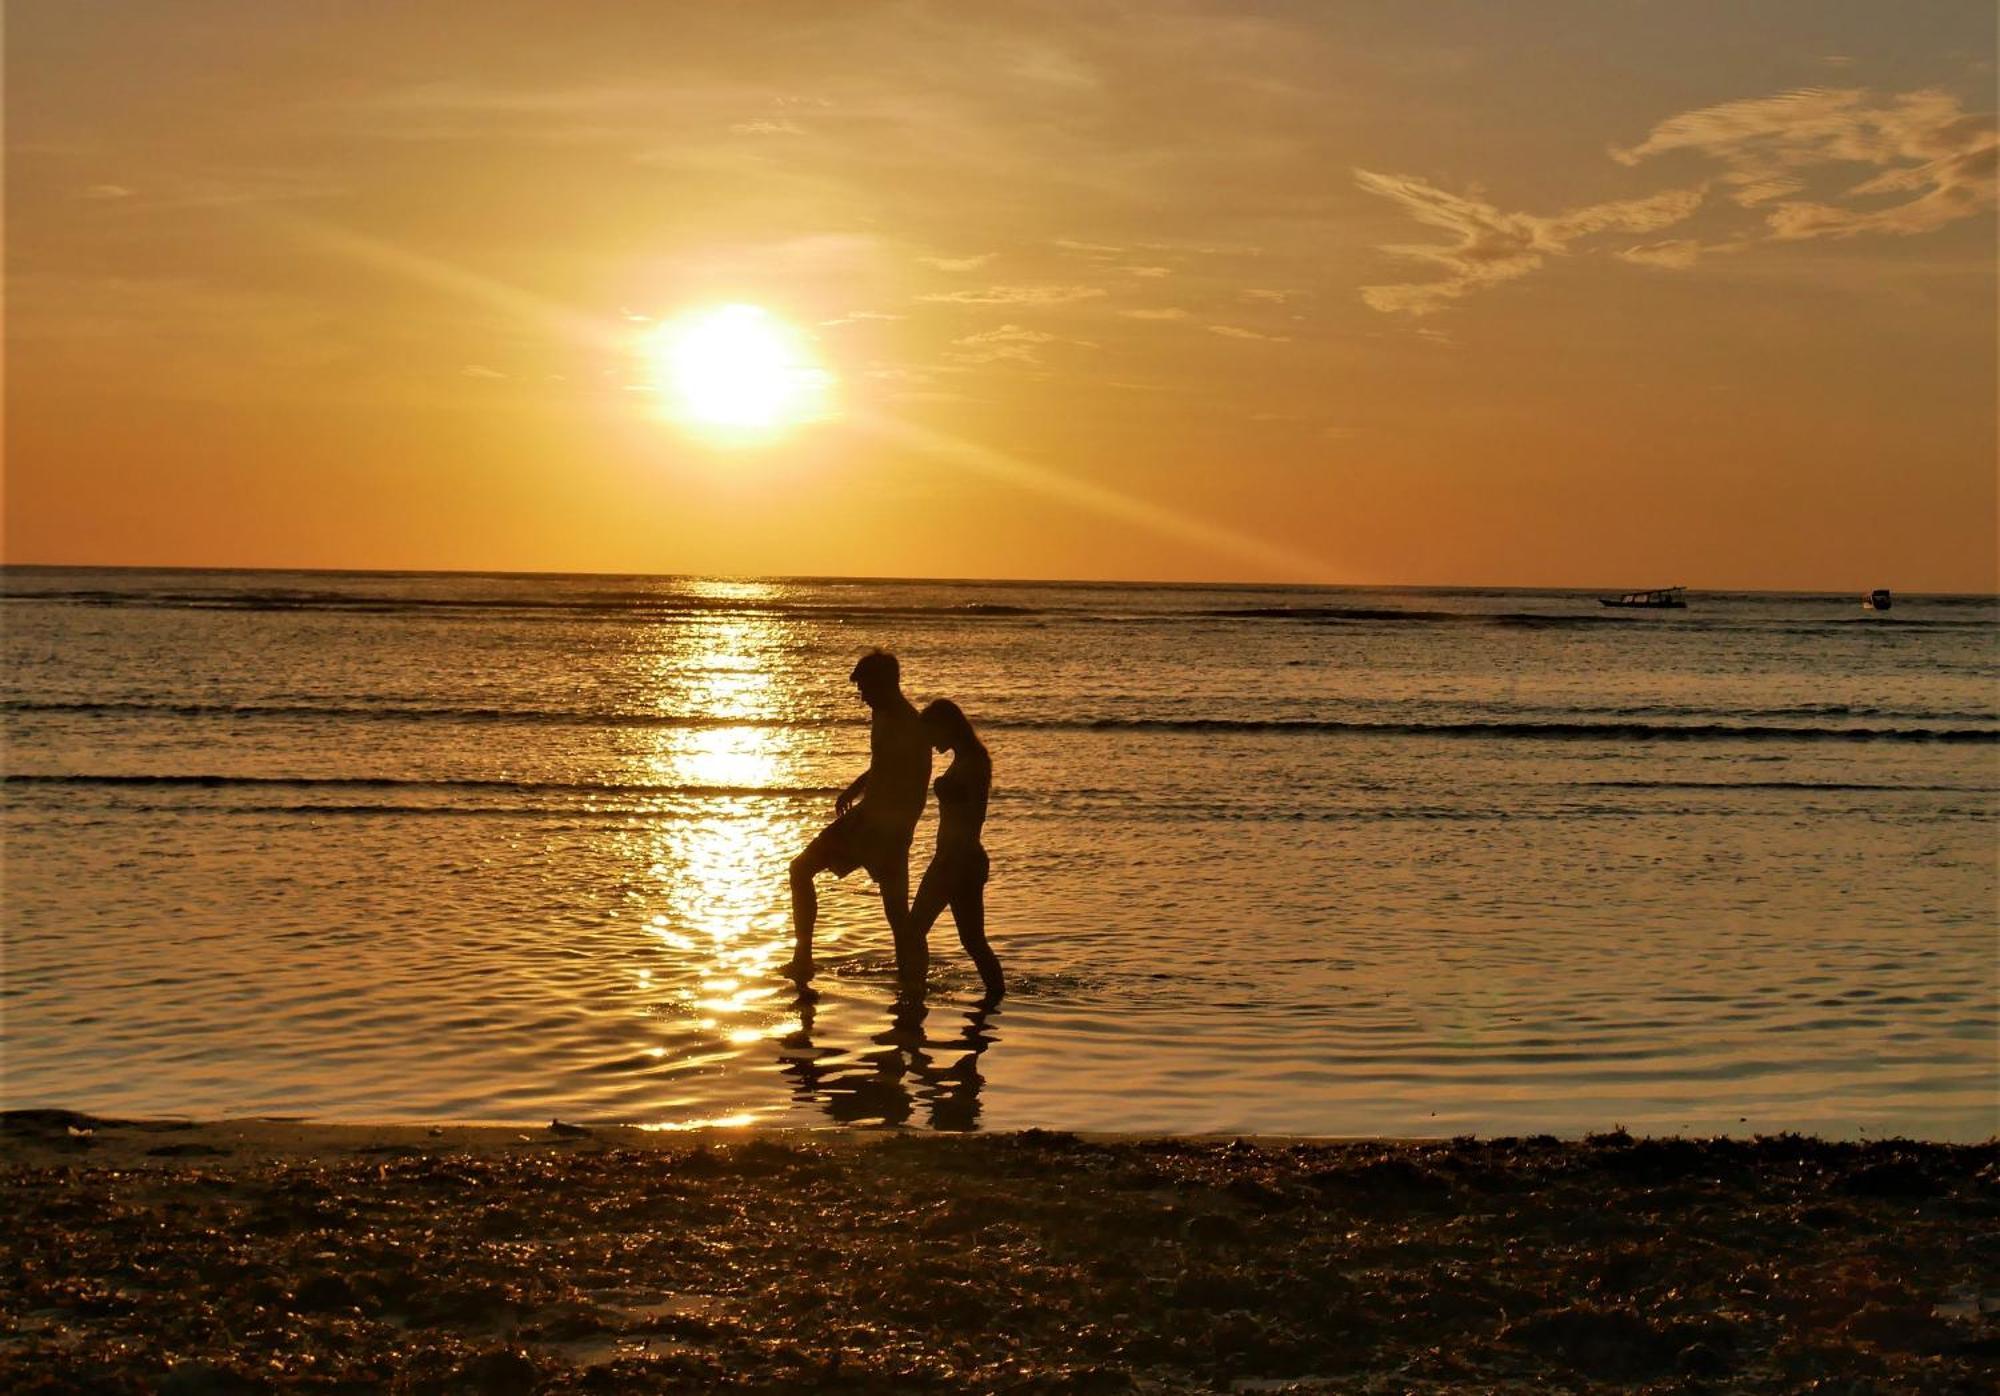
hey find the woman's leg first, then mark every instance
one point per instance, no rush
(913, 941)
(968, 910)
(933, 895)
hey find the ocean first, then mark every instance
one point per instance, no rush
(424, 847)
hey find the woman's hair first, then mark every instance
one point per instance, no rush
(947, 715)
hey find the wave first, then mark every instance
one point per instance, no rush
(1623, 731)
(1705, 622)
(1379, 615)
(1546, 731)
(574, 813)
(1780, 785)
(646, 606)
(1780, 710)
(525, 787)
(399, 713)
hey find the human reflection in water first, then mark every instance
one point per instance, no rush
(957, 875)
(905, 1070)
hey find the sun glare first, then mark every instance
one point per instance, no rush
(737, 372)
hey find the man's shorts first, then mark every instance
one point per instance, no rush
(859, 840)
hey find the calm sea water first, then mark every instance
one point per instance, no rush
(415, 847)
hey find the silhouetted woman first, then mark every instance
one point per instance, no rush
(956, 877)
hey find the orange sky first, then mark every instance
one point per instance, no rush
(1562, 294)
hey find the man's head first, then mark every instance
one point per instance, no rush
(878, 676)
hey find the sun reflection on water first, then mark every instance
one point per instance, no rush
(716, 898)
(738, 1120)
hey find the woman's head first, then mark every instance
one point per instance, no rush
(948, 726)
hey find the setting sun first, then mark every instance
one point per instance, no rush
(737, 371)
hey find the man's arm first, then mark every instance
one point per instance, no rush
(845, 800)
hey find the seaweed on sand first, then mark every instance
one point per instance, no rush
(1029, 1262)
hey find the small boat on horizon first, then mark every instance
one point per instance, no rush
(1657, 599)
(1877, 600)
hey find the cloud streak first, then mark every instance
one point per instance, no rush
(1017, 295)
(1929, 150)
(1927, 163)
(1488, 246)
(1238, 332)
(1008, 344)
(957, 263)
(1674, 253)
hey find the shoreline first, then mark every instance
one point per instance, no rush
(45, 1135)
(253, 1255)
(38, 1136)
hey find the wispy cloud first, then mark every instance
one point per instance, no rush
(1675, 253)
(901, 373)
(1200, 249)
(1099, 250)
(1165, 312)
(853, 316)
(1489, 245)
(1147, 273)
(1925, 144)
(1931, 163)
(957, 263)
(1017, 295)
(1009, 343)
(1238, 332)
(1275, 295)
(767, 128)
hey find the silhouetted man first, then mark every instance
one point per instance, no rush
(874, 818)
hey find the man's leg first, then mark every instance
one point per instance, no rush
(805, 910)
(912, 959)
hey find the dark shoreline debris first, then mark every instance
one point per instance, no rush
(345, 1260)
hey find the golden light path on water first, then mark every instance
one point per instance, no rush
(715, 906)
(711, 875)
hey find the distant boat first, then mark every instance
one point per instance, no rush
(1877, 600)
(1658, 599)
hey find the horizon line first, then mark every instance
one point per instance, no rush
(7, 566)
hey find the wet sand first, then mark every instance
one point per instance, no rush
(264, 1255)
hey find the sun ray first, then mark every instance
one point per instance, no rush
(1290, 564)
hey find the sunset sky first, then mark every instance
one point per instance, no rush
(1602, 294)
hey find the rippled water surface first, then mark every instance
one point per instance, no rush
(1330, 862)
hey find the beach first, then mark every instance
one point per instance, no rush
(252, 1255)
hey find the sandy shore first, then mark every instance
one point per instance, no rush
(258, 1255)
